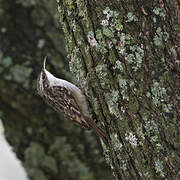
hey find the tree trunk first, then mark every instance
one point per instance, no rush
(125, 54)
(48, 145)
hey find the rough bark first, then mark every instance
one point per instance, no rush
(49, 146)
(128, 52)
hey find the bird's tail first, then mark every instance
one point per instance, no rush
(99, 131)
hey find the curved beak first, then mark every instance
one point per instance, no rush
(44, 63)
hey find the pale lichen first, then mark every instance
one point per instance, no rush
(160, 97)
(108, 158)
(116, 143)
(123, 164)
(108, 32)
(110, 26)
(159, 12)
(140, 134)
(131, 138)
(76, 65)
(102, 73)
(131, 17)
(152, 130)
(112, 102)
(124, 87)
(160, 36)
(119, 65)
(159, 167)
(135, 56)
(91, 39)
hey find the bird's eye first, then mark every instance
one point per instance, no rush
(43, 76)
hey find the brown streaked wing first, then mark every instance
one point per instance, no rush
(71, 108)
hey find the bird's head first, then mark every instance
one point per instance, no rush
(45, 80)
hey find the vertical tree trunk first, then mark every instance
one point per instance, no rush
(126, 56)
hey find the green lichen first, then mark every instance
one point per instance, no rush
(76, 66)
(110, 26)
(102, 73)
(115, 95)
(124, 87)
(159, 12)
(133, 54)
(99, 34)
(123, 165)
(109, 32)
(119, 65)
(128, 38)
(112, 101)
(152, 130)
(131, 17)
(159, 167)
(117, 25)
(112, 21)
(102, 48)
(140, 134)
(113, 108)
(132, 139)
(118, 148)
(82, 11)
(154, 20)
(69, 2)
(148, 94)
(131, 83)
(116, 143)
(160, 97)
(70, 6)
(61, 12)
(123, 83)
(159, 147)
(147, 174)
(108, 11)
(138, 55)
(160, 36)
(91, 39)
(130, 58)
(108, 158)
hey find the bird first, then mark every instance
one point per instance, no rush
(65, 97)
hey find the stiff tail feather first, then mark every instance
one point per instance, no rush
(99, 131)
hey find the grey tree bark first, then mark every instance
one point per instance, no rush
(125, 54)
(49, 146)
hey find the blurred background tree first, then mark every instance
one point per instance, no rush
(48, 146)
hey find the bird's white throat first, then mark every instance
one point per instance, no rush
(53, 81)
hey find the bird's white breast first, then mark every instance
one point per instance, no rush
(76, 92)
